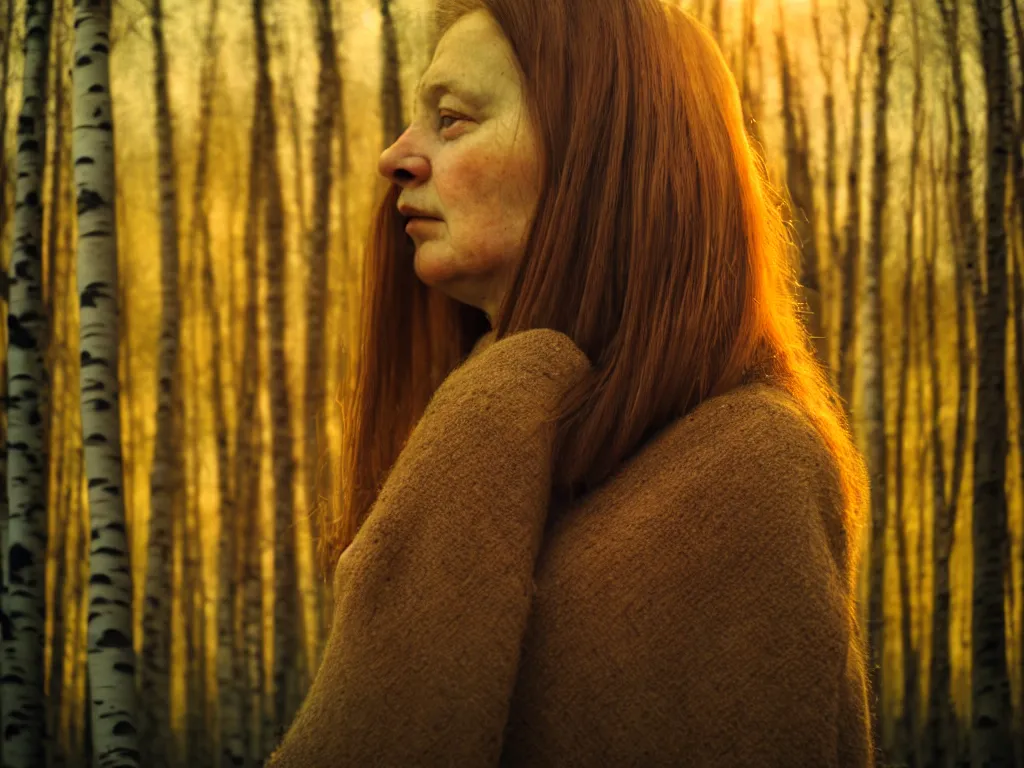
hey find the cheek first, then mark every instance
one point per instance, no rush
(486, 200)
(474, 181)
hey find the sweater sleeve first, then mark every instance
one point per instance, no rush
(433, 594)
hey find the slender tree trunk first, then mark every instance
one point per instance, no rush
(58, 444)
(968, 226)
(253, 618)
(65, 637)
(5, 625)
(77, 696)
(937, 702)
(199, 751)
(343, 350)
(751, 52)
(391, 89)
(1016, 148)
(59, 440)
(940, 741)
(286, 615)
(831, 152)
(200, 754)
(248, 449)
(991, 744)
(906, 726)
(923, 459)
(231, 747)
(111, 656)
(874, 371)
(229, 683)
(6, 33)
(301, 670)
(801, 192)
(71, 484)
(325, 134)
(166, 473)
(850, 272)
(716, 21)
(56, 430)
(22, 711)
(1018, 343)
(54, 212)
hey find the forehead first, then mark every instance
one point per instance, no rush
(472, 52)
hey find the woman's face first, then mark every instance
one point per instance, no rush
(469, 159)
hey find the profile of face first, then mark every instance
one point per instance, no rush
(469, 160)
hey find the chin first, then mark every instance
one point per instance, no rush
(436, 270)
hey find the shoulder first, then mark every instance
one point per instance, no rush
(750, 462)
(754, 429)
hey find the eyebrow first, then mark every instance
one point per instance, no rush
(432, 89)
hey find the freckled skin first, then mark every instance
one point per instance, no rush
(476, 166)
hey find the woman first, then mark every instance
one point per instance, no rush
(602, 508)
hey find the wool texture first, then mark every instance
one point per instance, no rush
(690, 611)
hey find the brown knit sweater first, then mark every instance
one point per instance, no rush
(689, 612)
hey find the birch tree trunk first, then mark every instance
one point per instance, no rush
(1017, 147)
(248, 449)
(991, 744)
(165, 475)
(872, 359)
(111, 655)
(391, 89)
(966, 222)
(928, 240)
(939, 730)
(59, 440)
(6, 33)
(850, 270)
(286, 615)
(800, 187)
(22, 714)
(343, 350)
(231, 747)
(716, 21)
(328, 107)
(906, 726)
(57, 289)
(832, 262)
(750, 51)
(54, 212)
(198, 751)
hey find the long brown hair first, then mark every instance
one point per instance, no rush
(659, 247)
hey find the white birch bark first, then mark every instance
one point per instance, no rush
(24, 556)
(111, 656)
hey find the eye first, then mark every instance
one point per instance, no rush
(442, 118)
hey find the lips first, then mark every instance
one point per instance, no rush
(412, 212)
(419, 222)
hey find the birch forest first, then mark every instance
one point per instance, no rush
(181, 305)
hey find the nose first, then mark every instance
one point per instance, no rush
(401, 163)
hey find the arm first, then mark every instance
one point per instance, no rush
(433, 594)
